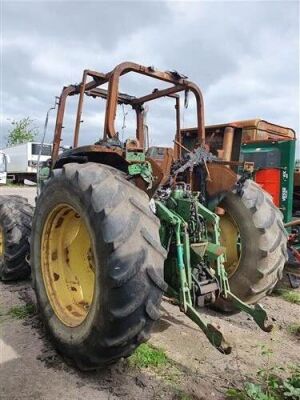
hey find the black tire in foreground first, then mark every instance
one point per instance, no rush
(125, 255)
(263, 244)
(15, 229)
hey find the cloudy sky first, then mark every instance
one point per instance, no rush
(243, 54)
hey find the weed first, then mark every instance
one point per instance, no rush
(251, 391)
(288, 295)
(147, 356)
(294, 329)
(21, 312)
(276, 389)
(269, 386)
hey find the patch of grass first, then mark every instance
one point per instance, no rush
(147, 356)
(269, 387)
(155, 359)
(21, 312)
(288, 295)
(158, 363)
(294, 329)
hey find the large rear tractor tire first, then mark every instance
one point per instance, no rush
(15, 229)
(97, 263)
(256, 242)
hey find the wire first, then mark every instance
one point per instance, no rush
(124, 121)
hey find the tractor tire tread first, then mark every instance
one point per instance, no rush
(266, 254)
(15, 220)
(134, 294)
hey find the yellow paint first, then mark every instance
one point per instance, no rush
(230, 237)
(67, 262)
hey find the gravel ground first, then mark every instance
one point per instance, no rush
(30, 368)
(26, 191)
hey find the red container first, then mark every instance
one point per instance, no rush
(269, 180)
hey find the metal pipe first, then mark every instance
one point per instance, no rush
(227, 143)
(67, 91)
(178, 135)
(124, 68)
(140, 126)
(42, 144)
(79, 109)
(294, 222)
(157, 94)
(113, 98)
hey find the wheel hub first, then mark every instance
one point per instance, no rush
(230, 238)
(68, 267)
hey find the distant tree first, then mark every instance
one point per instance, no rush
(22, 131)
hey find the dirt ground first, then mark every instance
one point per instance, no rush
(30, 368)
(26, 191)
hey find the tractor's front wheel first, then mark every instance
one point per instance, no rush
(256, 244)
(97, 263)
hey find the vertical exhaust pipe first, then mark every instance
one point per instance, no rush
(227, 143)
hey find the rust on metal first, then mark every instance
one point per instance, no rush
(114, 97)
(227, 143)
(257, 130)
(222, 179)
(224, 140)
(164, 161)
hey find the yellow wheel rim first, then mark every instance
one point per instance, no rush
(230, 238)
(68, 267)
(1, 242)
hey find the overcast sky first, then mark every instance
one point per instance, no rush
(243, 55)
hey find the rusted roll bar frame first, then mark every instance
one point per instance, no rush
(114, 97)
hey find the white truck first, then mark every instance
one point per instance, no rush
(3, 168)
(23, 160)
